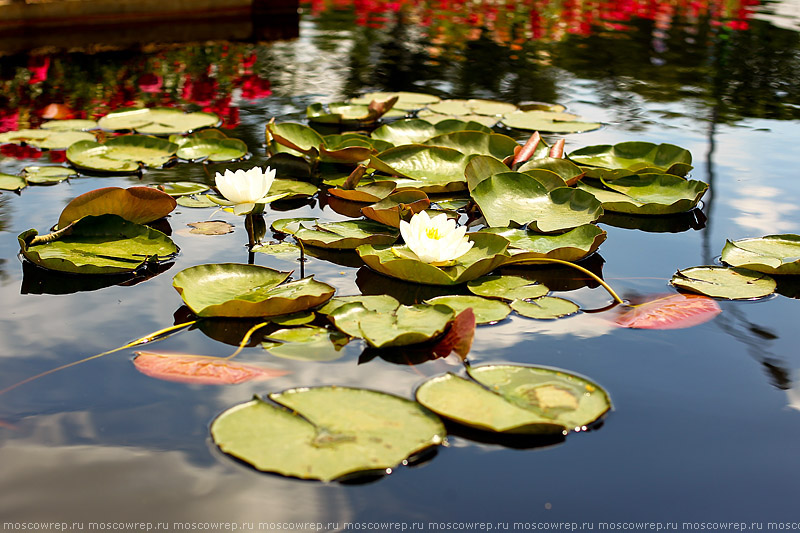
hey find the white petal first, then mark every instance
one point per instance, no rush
(241, 209)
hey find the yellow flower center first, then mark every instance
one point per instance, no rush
(433, 233)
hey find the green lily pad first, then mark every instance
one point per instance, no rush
(210, 149)
(294, 138)
(48, 175)
(515, 197)
(721, 282)
(455, 107)
(46, 139)
(476, 142)
(342, 113)
(548, 121)
(545, 308)
(563, 168)
(106, 244)
(486, 311)
(235, 290)
(400, 327)
(195, 202)
(648, 194)
(516, 399)
(75, 124)
(124, 154)
(406, 131)
(633, 156)
(208, 133)
(396, 207)
(346, 235)
(434, 118)
(351, 139)
(542, 106)
(380, 303)
(136, 204)
(282, 250)
(506, 288)
(488, 252)
(306, 343)
(431, 169)
(406, 101)
(327, 432)
(292, 189)
(157, 121)
(572, 246)
(9, 182)
(773, 254)
(370, 192)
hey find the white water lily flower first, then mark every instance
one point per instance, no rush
(435, 240)
(245, 188)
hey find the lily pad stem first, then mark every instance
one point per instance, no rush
(156, 335)
(592, 275)
(50, 237)
(246, 339)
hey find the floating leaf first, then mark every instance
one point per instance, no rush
(124, 154)
(371, 192)
(380, 303)
(514, 197)
(648, 194)
(548, 121)
(672, 311)
(633, 156)
(136, 204)
(458, 337)
(396, 207)
(347, 235)
(406, 101)
(48, 175)
(773, 254)
(349, 114)
(432, 169)
(46, 139)
(281, 250)
(488, 252)
(545, 308)
(506, 288)
(182, 188)
(211, 149)
(210, 227)
(516, 399)
(292, 189)
(195, 201)
(471, 107)
(200, 369)
(476, 142)
(574, 245)
(400, 327)
(295, 137)
(721, 282)
(12, 183)
(483, 121)
(106, 244)
(486, 311)
(75, 124)
(306, 343)
(236, 290)
(158, 121)
(327, 432)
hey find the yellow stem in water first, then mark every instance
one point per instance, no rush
(246, 339)
(592, 275)
(142, 340)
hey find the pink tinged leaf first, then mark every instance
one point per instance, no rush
(673, 311)
(557, 150)
(528, 149)
(459, 335)
(200, 369)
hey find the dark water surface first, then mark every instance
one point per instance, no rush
(705, 425)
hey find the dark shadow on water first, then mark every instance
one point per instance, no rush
(37, 280)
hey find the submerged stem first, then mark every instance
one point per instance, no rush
(142, 340)
(589, 273)
(246, 339)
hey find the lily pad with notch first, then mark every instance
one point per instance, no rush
(48, 175)
(406, 101)
(772, 254)
(125, 154)
(347, 235)
(487, 311)
(397, 206)
(634, 157)
(46, 139)
(516, 399)
(647, 194)
(105, 244)
(507, 288)
(9, 182)
(548, 121)
(574, 245)
(431, 169)
(157, 121)
(306, 343)
(327, 433)
(402, 326)
(721, 282)
(545, 308)
(237, 290)
(476, 142)
(212, 149)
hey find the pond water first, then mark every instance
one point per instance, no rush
(705, 420)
